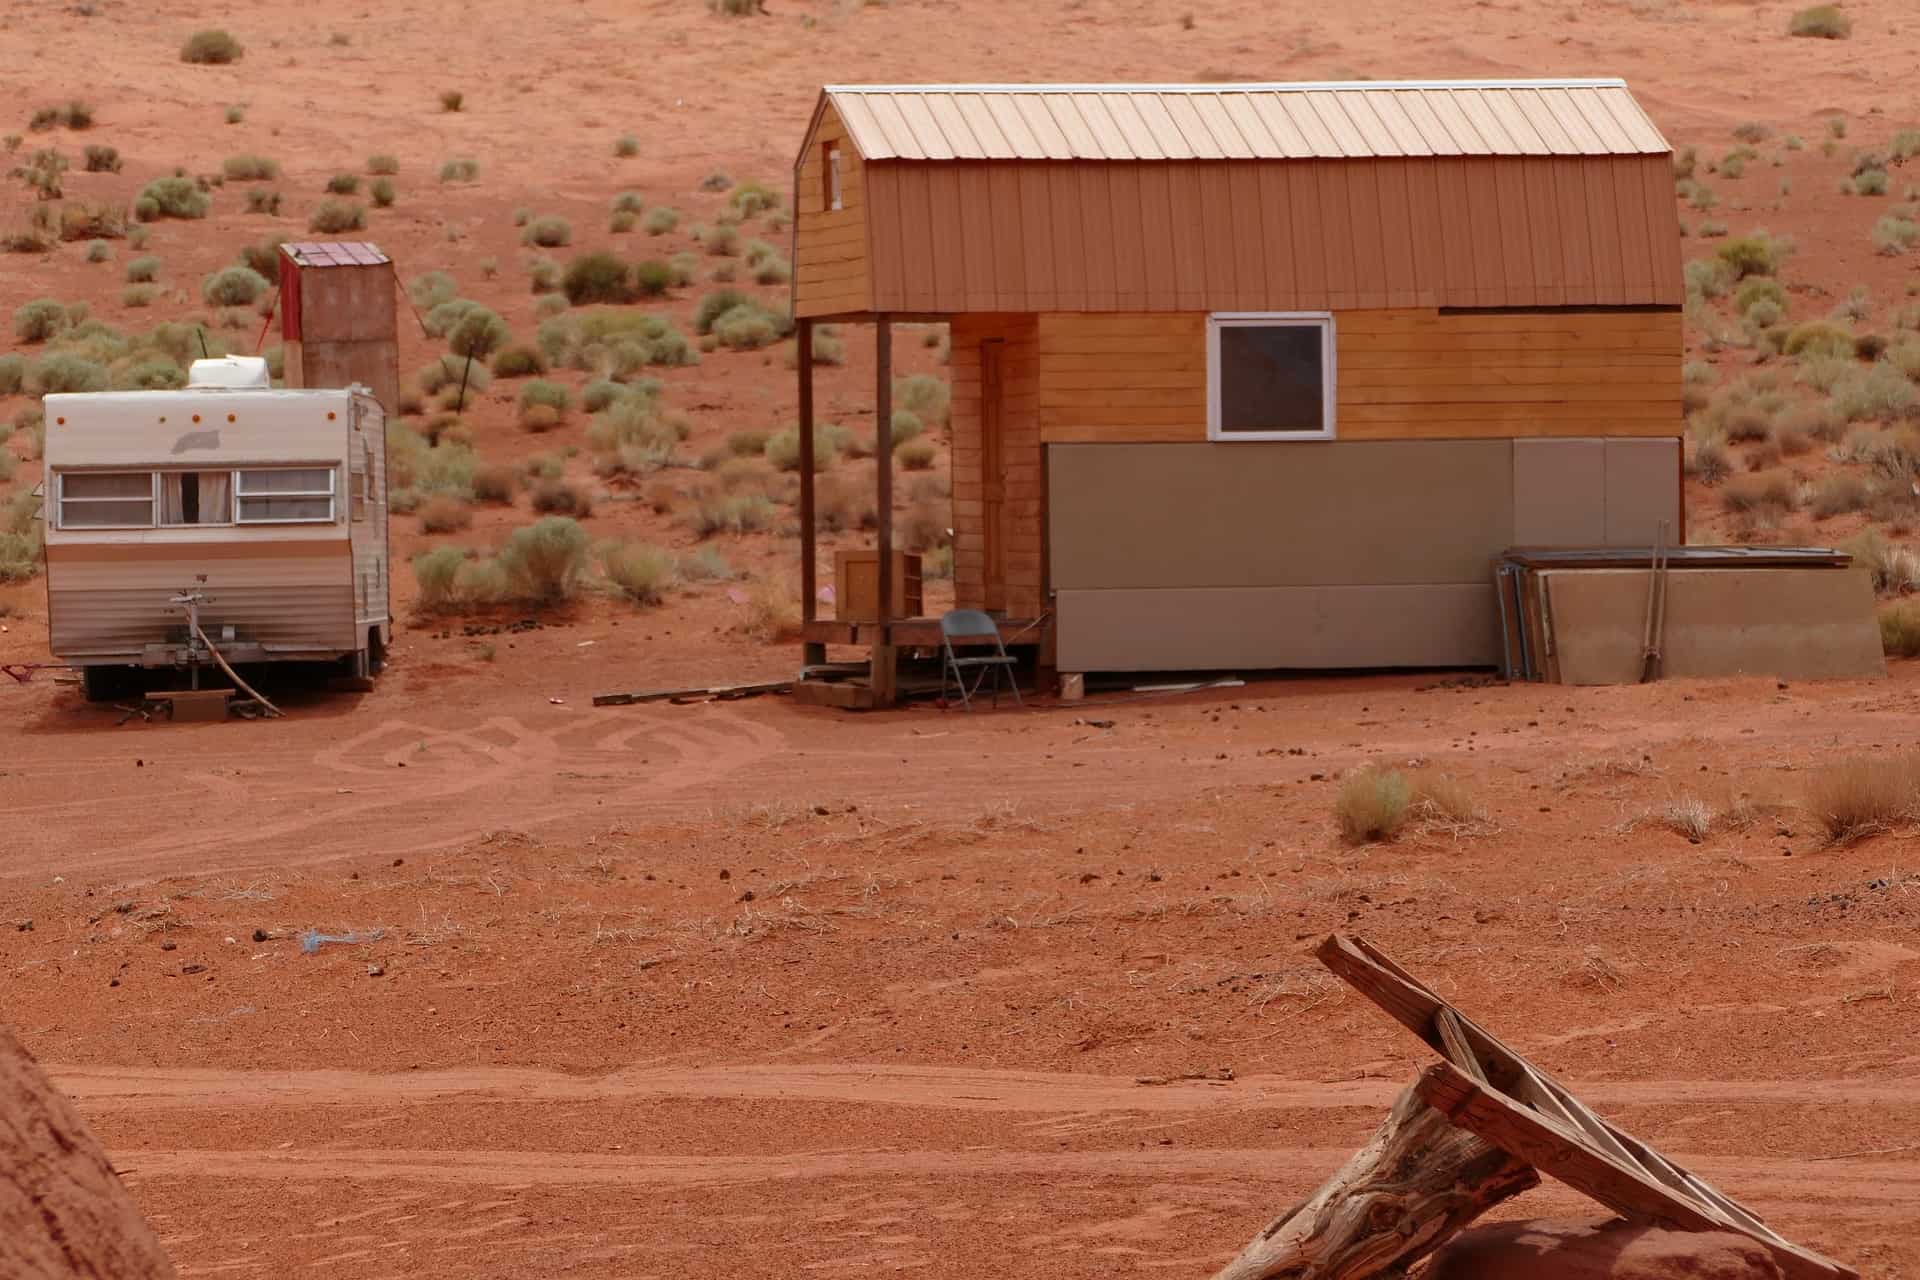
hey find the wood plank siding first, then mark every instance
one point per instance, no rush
(830, 246)
(1018, 588)
(1415, 373)
(955, 236)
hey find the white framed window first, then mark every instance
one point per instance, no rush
(196, 497)
(106, 499)
(830, 174)
(1270, 375)
(285, 495)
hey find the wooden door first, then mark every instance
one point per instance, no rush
(993, 475)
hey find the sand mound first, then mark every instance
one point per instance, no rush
(63, 1212)
(1609, 1250)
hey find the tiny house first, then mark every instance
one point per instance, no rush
(263, 511)
(1256, 376)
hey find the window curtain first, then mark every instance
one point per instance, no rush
(172, 499)
(216, 497)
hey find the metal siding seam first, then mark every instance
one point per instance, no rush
(1663, 227)
(975, 204)
(1054, 144)
(1457, 226)
(887, 275)
(919, 119)
(985, 129)
(947, 265)
(1369, 235)
(1281, 282)
(1259, 138)
(1543, 216)
(1069, 248)
(1391, 109)
(1036, 238)
(1220, 127)
(1309, 248)
(1493, 126)
(1066, 115)
(1397, 233)
(1129, 237)
(1009, 234)
(1336, 227)
(1013, 126)
(1379, 139)
(1166, 132)
(1517, 233)
(1125, 110)
(1463, 137)
(1189, 253)
(1200, 140)
(1423, 214)
(1097, 236)
(1321, 144)
(1347, 140)
(1292, 143)
(1604, 231)
(1636, 243)
(1112, 139)
(1577, 248)
(1593, 112)
(1534, 109)
(953, 126)
(894, 128)
(1249, 242)
(1157, 238)
(1581, 136)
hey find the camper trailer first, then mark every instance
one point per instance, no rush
(224, 516)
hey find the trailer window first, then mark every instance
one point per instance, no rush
(106, 500)
(1270, 377)
(196, 497)
(286, 494)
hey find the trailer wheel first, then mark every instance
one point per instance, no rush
(108, 684)
(376, 653)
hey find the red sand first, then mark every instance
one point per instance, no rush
(761, 990)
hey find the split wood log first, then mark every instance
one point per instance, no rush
(1416, 1182)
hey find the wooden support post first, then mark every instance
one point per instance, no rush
(885, 657)
(1416, 1182)
(811, 654)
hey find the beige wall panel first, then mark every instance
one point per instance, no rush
(1266, 628)
(347, 304)
(1643, 488)
(1285, 235)
(1559, 493)
(1281, 514)
(374, 365)
(1805, 624)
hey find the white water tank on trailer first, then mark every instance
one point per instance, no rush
(230, 373)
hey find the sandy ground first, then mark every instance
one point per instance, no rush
(750, 989)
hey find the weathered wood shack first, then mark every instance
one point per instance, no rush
(1258, 375)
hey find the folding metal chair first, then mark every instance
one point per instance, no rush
(969, 624)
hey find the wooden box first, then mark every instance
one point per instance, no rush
(856, 585)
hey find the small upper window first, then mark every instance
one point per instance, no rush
(1270, 377)
(830, 195)
(106, 500)
(302, 494)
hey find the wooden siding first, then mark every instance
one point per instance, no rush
(1293, 235)
(1022, 594)
(1407, 374)
(830, 272)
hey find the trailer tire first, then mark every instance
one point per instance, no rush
(108, 684)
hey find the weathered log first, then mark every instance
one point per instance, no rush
(64, 1214)
(1416, 1182)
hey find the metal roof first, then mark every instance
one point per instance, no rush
(1245, 121)
(335, 253)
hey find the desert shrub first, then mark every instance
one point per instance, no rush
(1707, 277)
(548, 233)
(1756, 289)
(1769, 491)
(153, 373)
(705, 564)
(460, 169)
(923, 527)
(1895, 234)
(63, 371)
(250, 168)
(1870, 182)
(827, 347)
(519, 361)
(1372, 804)
(543, 274)
(1876, 391)
(234, 287)
(382, 163)
(596, 277)
(600, 394)
(173, 197)
(626, 146)
(442, 316)
(212, 47)
(381, 193)
(541, 392)
(639, 571)
(1821, 21)
(1857, 796)
(39, 320)
(769, 268)
(13, 377)
(1900, 629)
(235, 114)
(1754, 254)
(1840, 493)
(1685, 161)
(449, 372)
(717, 512)
(720, 241)
(747, 327)
(436, 573)
(924, 395)
(478, 333)
(1869, 346)
(619, 223)
(1818, 338)
(1752, 131)
(452, 100)
(751, 444)
(261, 200)
(782, 449)
(101, 159)
(334, 216)
(627, 202)
(444, 513)
(750, 198)
(659, 220)
(263, 257)
(652, 278)
(1745, 421)
(553, 496)
(432, 289)
(917, 455)
(496, 483)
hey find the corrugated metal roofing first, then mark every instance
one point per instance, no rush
(1246, 121)
(336, 253)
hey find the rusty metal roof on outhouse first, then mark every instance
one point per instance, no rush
(1329, 121)
(336, 253)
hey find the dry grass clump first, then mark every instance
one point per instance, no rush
(544, 561)
(773, 611)
(1374, 803)
(174, 197)
(1821, 22)
(459, 169)
(1770, 491)
(1894, 234)
(1861, 795)
(639, 571)
(332, 217)
(212, 47)
(556, 497)
(1840, 493)
(1818, 338)
(917, 455)
(1707, 459)
(444, 513)
(1900, 629)
(496, 483)
(782, 449)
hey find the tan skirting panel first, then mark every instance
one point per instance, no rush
(1273, 628)
(1805, 624)
(1331, 513)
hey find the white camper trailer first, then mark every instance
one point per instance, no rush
(259, 516)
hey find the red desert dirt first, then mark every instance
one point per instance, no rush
(466, 977)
